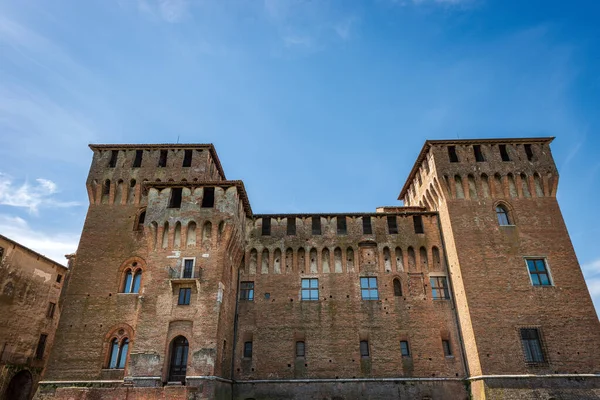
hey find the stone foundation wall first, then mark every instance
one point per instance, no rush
(575, 388)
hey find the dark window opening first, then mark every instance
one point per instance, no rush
(478, 154)
(41, 347)
(50, 312)
(447, 348)
(502, 215)
(341, 226)
(316, 225)
(504, 152)
(538, 272)
(266, 226)
(532, 345)
(404, 349)
(58, 278)
(137, 162)
(300, 349)
(188, 268)
(187, 158)
(418, 224)
(367, 228)
(162, 159)
(247, 291)
(364, 349)
(175, 201)
(208, 200)
(529, 152)
(248, 350)
(141, 220)
(452, 154)
(397, 287)
(1, 253)
(392, 224)
(291, 225)
(439, 288)
(310, 289)
(106, 188)
(113, 158)
(184, 296)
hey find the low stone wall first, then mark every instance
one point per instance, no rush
(543, 388)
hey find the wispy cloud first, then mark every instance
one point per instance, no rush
(54, 245)
(31, 197)
(591, 271)
(171, 11)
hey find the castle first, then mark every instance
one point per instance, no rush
(472, 288)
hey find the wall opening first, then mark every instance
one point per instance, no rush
(367, 228)
(162, 159)
(187, 158)
(478, 153)
(208, 197)
(137, 161)
(175, 200)
(114, 154)
(266, 226)
(504, 152)
(452, 154)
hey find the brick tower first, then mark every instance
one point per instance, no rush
(156, 272)
(525, 313)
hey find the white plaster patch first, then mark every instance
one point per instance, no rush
(175, 254)
(44, 275)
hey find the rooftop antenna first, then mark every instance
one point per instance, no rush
(177, 139)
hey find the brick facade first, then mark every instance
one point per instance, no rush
(165, 227)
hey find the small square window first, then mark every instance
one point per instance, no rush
(404, 349)
(368, 288)
(439, 288)
(310, 289)
(532, 345)
(184, 296)
(392, 224)
(50, 311)
(247, 349)
(300, 349)
(247, 291)
(447, 348)
(418, 224)
(364, 349)
(367, 228)
(291, 226)
(266, 226)
(58, 278)
(538, 271)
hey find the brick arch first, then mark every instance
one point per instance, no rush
(119, 331)
(140, 264)
(509, 208)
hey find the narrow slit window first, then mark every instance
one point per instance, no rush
(266, 226)
(504, 152)
(478, 154)
(137, 161)
(248, 350)
(184, 296)
(208, 200)
(41, 347)
(114, 154)
(418, 224)
(364, 349)
(51, 308)
(341, 226)
(162, 159)
(300, 349)
(447, 348)
(291, 226)
(392, 224)
(316, 225)
(187, 158)
(367, 228)
(529, 152)
(404, 349)
(397, 288)
(175, 201)
(452, 154)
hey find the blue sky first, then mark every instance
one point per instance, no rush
(317, 105)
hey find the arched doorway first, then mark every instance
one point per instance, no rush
(19, 387)
(179, 356)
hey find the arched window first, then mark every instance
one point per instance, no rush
(179, 356)
(140, 221)
(502, 214)
(397, 287)
(132, 280)
(118, 353)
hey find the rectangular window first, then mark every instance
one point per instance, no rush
(341, 226)
(447, 348)
(291, 226)
(418, 224)
(188, 268)
(310, 289)
(364, 349)
(247, 291)
(538, 272)
(187, 158)
(248, 350)
(368, 288)
(532, 345)
(316, 225)
(367, 228)
(41, 347)
(137, 161)
(529, 152)
(184, 296)
(404, 349)
(266, 226)
(504, 152)
(452, 154)
(208, 199)
(439, 288)
(58, 278)
(114, 154)
(175, 201)
(300, 349)
(478, 154)
(50, 312)
(392, 224)
(162, 159)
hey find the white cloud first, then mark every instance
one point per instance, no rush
(591, 271)
(169, 10)
(30, 196)
(54, 245)
(591, 268)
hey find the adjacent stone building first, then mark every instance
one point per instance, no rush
(472, 288)
(30, 287)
